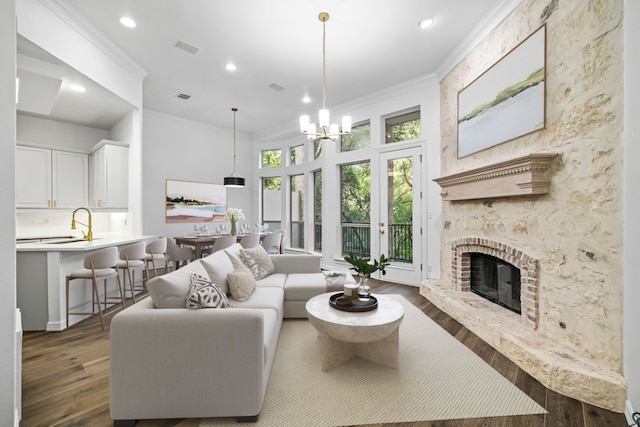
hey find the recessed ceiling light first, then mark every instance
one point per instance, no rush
(127, 22)
(426, 22)
(77, 88)
(306, 99)
(230, 67)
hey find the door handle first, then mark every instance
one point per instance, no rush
(381, 230)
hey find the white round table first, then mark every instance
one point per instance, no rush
(372, 335)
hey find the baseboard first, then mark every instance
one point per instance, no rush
(628, 413)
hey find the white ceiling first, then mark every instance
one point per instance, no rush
(370, 46)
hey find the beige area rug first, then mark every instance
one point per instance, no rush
(439, 378)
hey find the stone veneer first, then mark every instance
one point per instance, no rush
(574, 230)
(461, 251)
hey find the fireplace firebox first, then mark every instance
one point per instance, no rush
(496, 280)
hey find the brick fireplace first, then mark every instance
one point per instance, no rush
(461, 251)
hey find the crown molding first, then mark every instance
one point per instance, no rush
(498, 13)
(79, 23)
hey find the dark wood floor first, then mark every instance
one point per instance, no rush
(65, 379)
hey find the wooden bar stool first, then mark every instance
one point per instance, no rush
(156, 251)
(100, 264)
(132, 259)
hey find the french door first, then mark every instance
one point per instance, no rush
(399, 217)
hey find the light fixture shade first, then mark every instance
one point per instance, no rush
(304, 123)
(323, 118)
(234, 181)
(346, 124)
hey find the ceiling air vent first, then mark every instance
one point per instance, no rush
(186, 47)
(276, 87)
(183, 96)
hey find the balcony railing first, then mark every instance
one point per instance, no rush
(356, 239)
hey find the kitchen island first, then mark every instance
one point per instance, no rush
(42, 267)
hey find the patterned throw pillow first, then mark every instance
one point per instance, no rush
(258, 261)
(204, 294)
(241, 283)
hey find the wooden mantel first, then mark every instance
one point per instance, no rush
(523, 176)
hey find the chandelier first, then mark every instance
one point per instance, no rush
(325, 129)
(234, 180)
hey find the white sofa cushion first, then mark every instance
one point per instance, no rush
(218, 265)
(233, 252)
(276, 280)
(301, 287)
(171, 289)
(204, 294)
(241, 283)
(258, 261)
(263, 298)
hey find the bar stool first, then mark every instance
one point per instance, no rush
(131, 259)
(100, 264)
(156, 250)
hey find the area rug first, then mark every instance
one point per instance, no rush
(439, 379)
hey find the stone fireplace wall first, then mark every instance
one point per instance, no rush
(574, 231)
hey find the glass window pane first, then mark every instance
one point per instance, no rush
(271, 158)
(296, 215)
(355, 208)
(317, 210)
(360, 137)
(272, 202)
(403, 128)
(297, 155)
(317, 148)
(400, 209)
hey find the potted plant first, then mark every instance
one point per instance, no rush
(365, 267)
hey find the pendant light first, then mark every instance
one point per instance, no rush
(325, 129)
(235, 180)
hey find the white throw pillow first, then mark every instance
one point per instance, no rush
(218, 265)
(170, 290)
(233, 252)
(241, 283)
(258, 261)
(204, 294)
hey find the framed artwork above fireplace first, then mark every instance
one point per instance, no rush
(507, 100)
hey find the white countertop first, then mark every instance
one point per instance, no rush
(99, 242)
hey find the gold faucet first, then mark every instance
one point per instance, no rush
(89, 235)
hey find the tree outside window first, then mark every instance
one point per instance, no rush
(402, 128)
(360, 137)
(271, 158)
(296, 215)
(355, 208)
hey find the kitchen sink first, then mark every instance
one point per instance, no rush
(67, 240)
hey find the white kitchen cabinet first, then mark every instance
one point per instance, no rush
(50, 178)
(109, 164)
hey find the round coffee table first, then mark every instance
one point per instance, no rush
(372, 335)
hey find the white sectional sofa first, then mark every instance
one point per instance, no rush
(214, 362)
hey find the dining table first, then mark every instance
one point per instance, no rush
(201, 242)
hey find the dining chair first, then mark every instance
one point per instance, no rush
(250, 240)
(282, 238)
(272, 242)
(179, 254)
(131, 259)
(100, 264)
(223, 242)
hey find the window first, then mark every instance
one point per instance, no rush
(272, 202)
(297, 155)
(317, 148)
(296, 214)
(402, 128)
(355, 208)
(271, 158)
(360, 137)
(317, 210)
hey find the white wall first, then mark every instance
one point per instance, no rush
(182, 150)
(7, 212)
(631, 250)
(55, 134)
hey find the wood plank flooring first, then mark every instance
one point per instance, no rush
(66, 379)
